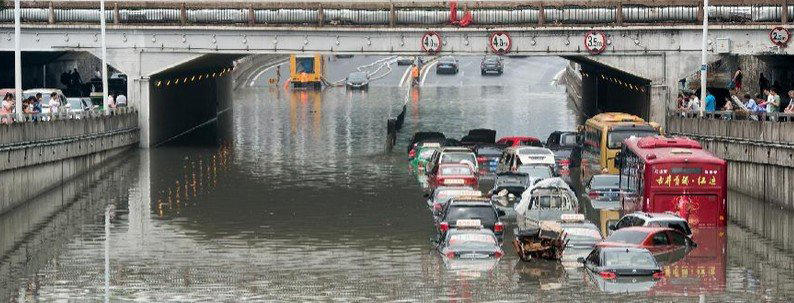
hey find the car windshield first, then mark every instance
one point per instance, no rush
(582, 236)
(458, 157)
(484, 213)
(74, 103)
(674, 224)
(445, 195)
(471, 241)
(491, 60)
(548, 202)
(489, 151)
(568, 140)
(358, 76)
(627, 236)
(536, 171)
(605, 181)
(629, 259)
(615, 138)
(425, 154)
(455, 170)
(446, 60)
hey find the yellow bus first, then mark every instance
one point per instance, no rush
(603, 136)
(306, 70)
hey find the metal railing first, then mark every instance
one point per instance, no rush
(410, 13)
(8, 119)
(735, 115)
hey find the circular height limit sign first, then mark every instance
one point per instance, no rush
(595, 42)
(431, 42)
(500, 42)
(779, 36)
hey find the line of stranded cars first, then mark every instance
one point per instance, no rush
(660, 186)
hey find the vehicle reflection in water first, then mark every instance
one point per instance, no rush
(620, 284)
(701, 271)
(545, 274)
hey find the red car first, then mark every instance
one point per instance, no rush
(453, 175)
(658, 240)
(519, 141)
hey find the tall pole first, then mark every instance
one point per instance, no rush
(105, 103)
(703, 54)
(17, 60)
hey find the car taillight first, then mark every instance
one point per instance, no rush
(608, 275)
(658, 275)
(450, 255)
(498, 227)
(412, 153)
(498, 254)
(593, 194)
(481, 159)
(444, 226)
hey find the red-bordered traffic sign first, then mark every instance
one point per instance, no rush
(595, 42)
(779, 36)
(500, 42)
(431, 42)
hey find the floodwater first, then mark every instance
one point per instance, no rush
(291, 196)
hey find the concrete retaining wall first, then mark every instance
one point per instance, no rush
(37, 157)
(760, 154)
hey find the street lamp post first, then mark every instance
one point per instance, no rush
(703, 54)
(105, 100)
(17, 60)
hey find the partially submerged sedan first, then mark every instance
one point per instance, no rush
(453, 175)
(357, 80)
(622, 269)
(470, 247)
(658, 240)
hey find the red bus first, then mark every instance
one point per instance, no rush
(659, 174)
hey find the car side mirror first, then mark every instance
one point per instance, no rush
(612, 225)
(580, 260)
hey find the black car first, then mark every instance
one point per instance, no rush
(488, 158)
(357, 80)
(562, 144)
(491, 65)
(447, 65)
(421, 137)
(402, 61)
(610, 263)
(604, 188)
(462, 208)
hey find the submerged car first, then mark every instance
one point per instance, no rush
(423, 155)
(470, 247)
(507, 189)
(357, 80)
(420, 138)
(447, 65)
(581, 236)
(659, 240)
(451, 155)
(603, 187)
(538, 214)
(519, 141)
(437, 200)
(449, 174)
(562, 144)
(670, 220)
(488, 158)
(402, 61)
(477, 208)
(622, 269)
(491, 64)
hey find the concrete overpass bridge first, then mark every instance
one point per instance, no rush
(650, 44)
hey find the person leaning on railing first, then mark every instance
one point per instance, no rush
(7, 109)
(790, 108)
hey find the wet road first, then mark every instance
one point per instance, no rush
(291, 196)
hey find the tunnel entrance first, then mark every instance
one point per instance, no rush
(606, 89)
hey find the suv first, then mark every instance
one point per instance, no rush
(666, 219)
(462, 208)
(491, 64)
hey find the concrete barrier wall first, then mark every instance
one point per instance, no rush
(760, 154)
(36, 160)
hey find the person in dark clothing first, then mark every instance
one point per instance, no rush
(763, 83)
(576, 156)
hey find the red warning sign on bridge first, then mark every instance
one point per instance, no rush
(500, 42)
(595, 42)
(431, 42)
(779, 36)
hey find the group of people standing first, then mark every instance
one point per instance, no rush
(768, 101)
(33, 105)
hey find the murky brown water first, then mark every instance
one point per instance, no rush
(291, 197)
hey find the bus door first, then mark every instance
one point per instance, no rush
(698, 209)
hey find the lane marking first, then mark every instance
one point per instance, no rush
(265, 70)
(424, 74)
(405, 76)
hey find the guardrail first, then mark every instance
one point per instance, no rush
(766, 129)
(736, 115)
(33, 130)
(405, 13)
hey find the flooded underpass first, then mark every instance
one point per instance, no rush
(291, 196)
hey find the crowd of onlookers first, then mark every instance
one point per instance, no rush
(768, 101)
(33, 106)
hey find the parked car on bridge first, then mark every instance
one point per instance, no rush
(670, 220)
(622, 269)
(491, 64)
(357, 80)
(447, 65)
(80, 106)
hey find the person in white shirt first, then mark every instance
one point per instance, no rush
(121, 100)
(55, 102)
(694, 103)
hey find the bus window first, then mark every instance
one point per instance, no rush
(615, 138)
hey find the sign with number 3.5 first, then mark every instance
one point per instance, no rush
(595, 42)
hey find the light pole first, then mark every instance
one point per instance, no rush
(703, 54)
(17, 60)
(105, 100)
